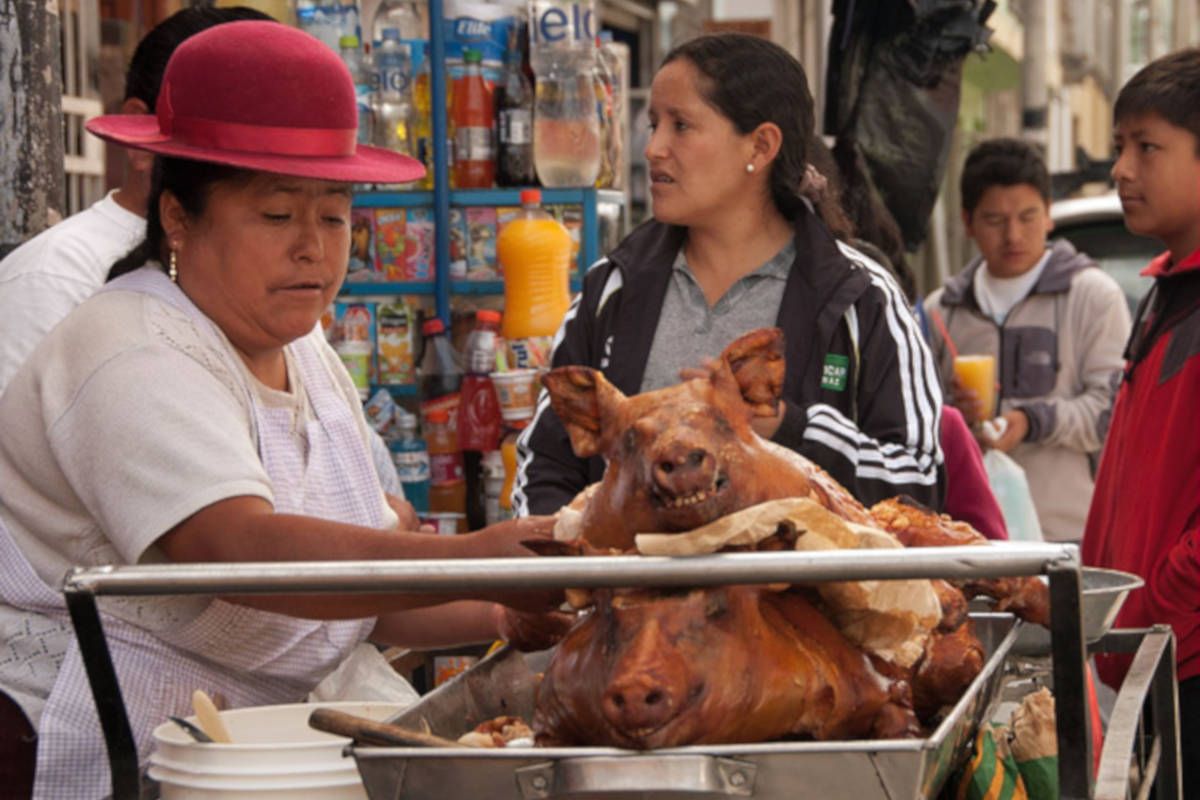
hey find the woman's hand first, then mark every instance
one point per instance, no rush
(506, 540)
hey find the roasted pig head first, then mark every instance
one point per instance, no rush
(686, 455)
(733, 664)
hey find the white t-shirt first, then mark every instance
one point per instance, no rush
(997, 296)
(47, 276)
(127, 420)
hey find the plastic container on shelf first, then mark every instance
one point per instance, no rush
(447, 487)
(493, 486)
(409, 17)
(479, 410)
(514, 120)
(360, 66)
(603, 79)
(411, 457)
(566, 129)
(440, 374)
(474, 116)
(422, 131)
(534, 251)
(328, 20)
(615, 56)
(393, 93)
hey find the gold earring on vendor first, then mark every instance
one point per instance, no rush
(173, 267)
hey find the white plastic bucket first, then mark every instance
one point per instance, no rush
(274, 754)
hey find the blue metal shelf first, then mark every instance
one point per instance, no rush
(494, 287)
(396, 390)
(441, 198)
(359, 289)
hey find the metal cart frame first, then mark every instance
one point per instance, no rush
(1060, 563)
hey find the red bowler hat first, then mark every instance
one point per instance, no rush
(262, 96)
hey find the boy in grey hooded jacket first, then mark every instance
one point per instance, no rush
(1055, 322)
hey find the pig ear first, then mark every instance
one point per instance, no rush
(583, 400)
(757, 363)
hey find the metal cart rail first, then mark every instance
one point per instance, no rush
(1060, 563)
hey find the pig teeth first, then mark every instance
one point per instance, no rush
(691, 499)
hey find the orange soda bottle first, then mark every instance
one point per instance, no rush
(473, 115)
(447, 486)
(534, 250)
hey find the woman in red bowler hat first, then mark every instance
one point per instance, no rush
(191, 411)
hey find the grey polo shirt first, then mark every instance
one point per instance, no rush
(689, 331)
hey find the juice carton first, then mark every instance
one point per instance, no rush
(481, 244)
(418, 254)
(396, 326)
(362, 246)
(458, 244)
(390, 243)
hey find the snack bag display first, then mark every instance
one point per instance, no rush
(390, 239)
(362, 251)
(419, 245)
(458, 244)
(481, 244)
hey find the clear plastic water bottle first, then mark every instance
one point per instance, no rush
(357, 63)
(566, 129)
(393, 95)
(411, 458)
(328, 20)
(409, 17)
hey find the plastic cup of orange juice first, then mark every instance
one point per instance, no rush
(978, 373)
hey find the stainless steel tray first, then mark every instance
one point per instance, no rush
(505, 683)
(1060, 563)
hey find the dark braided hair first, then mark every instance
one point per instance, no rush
(191, 184)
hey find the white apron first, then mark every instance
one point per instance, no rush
(251, 657)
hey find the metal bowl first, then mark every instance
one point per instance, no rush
(1104, 592)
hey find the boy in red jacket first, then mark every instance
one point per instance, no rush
(1145, 513)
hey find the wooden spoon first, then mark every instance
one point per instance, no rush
(210, 718)
(369, 732)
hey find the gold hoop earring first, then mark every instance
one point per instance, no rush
(749, 168)
(173, 267)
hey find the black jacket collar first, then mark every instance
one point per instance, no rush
(821, 285)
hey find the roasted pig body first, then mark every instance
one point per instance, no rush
(649, 669)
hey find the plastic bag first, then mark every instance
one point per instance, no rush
(1008, 482)
(365, 675)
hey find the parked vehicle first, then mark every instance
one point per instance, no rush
(1096, 226)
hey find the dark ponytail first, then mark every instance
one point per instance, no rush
(191, 184)
(751, 81)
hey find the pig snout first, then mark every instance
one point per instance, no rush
(684, 472)
(639, 703)
(648, 687)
